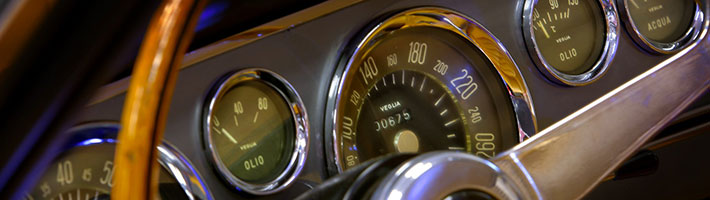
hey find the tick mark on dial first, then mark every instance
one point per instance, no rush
(443, 112)
(393, 83)
(451, 122)
(402, 77)
(456, 148)
(422, 86)
(439, 100)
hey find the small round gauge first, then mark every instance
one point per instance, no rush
(256, 131)
(663, 26)
(420, 82)
(85, 170)
(571, 41)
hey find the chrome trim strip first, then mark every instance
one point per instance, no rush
(265, 30)
(301, 134)
(597, 70)
(445, 19)
(692, 34)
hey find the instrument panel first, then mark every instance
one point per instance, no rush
(383, 77)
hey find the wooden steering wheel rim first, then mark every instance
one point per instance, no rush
(148, 98)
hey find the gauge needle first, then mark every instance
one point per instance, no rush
(543, 29)
(229, 135)
(635, 5)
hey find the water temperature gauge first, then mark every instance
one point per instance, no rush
(662, 26)
(256, 131)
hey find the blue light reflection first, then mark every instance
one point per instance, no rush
(93, 141)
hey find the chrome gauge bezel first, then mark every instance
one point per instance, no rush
(597, 70)
(441, 18)
(174, 161)
(297, 158)
(691, 35)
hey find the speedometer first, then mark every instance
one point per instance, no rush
(571, 41)
(427, 79)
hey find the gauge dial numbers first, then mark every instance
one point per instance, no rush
(80, 173)
(255, 131)
(662, 26)
(571, 41)
(421, 88)
(85, 170)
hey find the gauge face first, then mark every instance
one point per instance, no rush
(569, 34)
(662, 21)
(85, 173)
(253, 131)
(82, 172)
(420, 89)
(256, 131)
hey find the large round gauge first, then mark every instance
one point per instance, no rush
(85, 170)
(663, 26)
(571, 41)
(426, 79)
(256, 131)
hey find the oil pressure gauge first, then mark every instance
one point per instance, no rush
(571, 41)
(256, 131)
(662, 26)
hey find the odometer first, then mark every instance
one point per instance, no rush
(572, 41)
(418, 83)
(663, 26)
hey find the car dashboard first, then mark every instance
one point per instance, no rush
(279, 109)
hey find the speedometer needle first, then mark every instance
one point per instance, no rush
(543, 29)
(229, 135)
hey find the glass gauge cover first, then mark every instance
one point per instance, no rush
(85, 170)
(255, 131)
(663, 26)
(572, 41)
(421, 87)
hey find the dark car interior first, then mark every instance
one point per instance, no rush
(355, 99)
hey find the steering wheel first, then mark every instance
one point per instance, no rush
(148, 98)
(564, 161)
